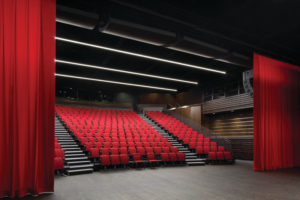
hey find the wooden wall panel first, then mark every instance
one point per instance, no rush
(157, 98)
(193, 113)
(66, 101)
(231, 124)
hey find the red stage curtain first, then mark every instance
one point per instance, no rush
(27, 92)
(276, 114)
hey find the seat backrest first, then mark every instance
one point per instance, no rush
(104, 160)
(220, 155)
(221, 149)
(164, 157)
(114, 151)
(115, 159)
(123, 150)
(227, 155)
(58, 163)
(150, 156)
(136, 157)
(94, 152)
(124, 158)
(181, 156)
(104, 151)
(212, 156)
(173, 157)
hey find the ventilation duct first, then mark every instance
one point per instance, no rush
(76, 17)
(199, 48)
(136, 32)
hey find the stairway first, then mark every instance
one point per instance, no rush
(190, 157)
(76, 162)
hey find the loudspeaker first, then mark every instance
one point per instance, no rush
(248, 82)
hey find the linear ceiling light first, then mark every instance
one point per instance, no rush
(126, 72)
(139, 55)
(116, 82)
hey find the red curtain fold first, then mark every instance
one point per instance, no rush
(27, 96)
(276, 114)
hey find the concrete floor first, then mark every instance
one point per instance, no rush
(210, 182)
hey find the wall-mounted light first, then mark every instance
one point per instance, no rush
(183, 107)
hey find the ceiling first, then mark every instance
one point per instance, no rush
(244, 27)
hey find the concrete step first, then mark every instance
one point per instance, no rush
(75, 155)
(65, 140)
(73, 152)
(79, 162)
(190, 157)
(184, 151)
(81, 166)
(71, 148)
(79, 171)
(195, 163)
(195, 159)
(76, 158)
(64, 137)
(190, 154)
(68, 145)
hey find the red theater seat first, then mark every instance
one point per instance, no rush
(132, 151)
(212, 156)
(151, 157)
(57, 146)
(227, 155)
(221, 149)
(173, 157)
(123, 150)
(157, 150)
(58, 163)
(180, 156)
(199, 150)
(220, 156)
(115, 160)
(141, 150)
(104, 159)
(124, 159)
(94, 153)
(114, 151)
(166, 149)
(165, 157)
(104, 151)
(137, 158)
(59, 153)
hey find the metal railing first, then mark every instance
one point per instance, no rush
(203, 130)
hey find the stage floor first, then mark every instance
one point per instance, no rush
(211, 182)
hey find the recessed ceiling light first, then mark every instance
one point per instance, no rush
(183, 106)
(115, 82)
(125, 71)
(140, 55)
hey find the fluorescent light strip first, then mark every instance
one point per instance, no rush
(126, 72)
(139, 55)
(116, 82)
